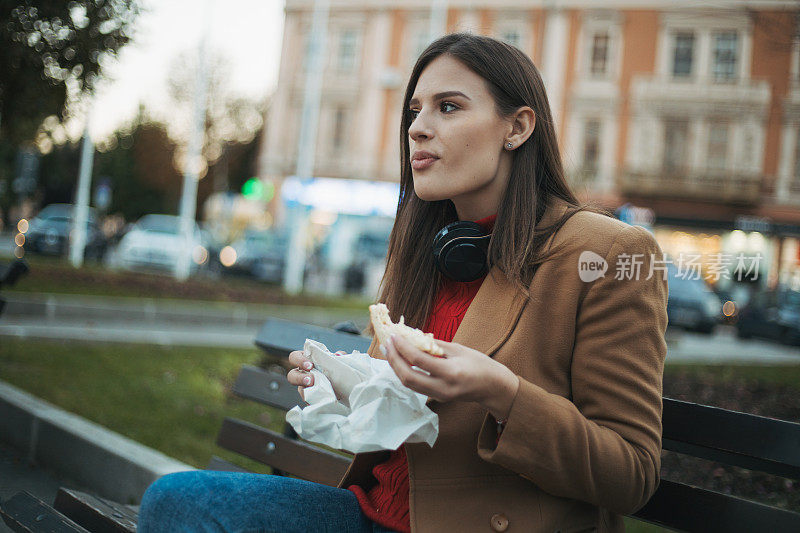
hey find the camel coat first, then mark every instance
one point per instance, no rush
(582, 445)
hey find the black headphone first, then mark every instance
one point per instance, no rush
(460, 251)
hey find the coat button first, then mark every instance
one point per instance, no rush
(499, 522)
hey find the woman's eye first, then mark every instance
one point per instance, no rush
(446, 105)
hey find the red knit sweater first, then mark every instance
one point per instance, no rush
(387, 502)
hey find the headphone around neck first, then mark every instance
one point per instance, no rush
(460, 251)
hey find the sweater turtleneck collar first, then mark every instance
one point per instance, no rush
(487, 223)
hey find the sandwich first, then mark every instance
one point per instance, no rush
(385, 328)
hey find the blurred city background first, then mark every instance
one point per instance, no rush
(173, 172)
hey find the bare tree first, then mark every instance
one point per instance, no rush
(230, 117)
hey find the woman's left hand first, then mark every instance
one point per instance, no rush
(463, 374)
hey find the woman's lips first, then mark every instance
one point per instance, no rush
(422, 164)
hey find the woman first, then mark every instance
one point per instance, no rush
(549, 395)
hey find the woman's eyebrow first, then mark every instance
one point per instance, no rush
(439, 96)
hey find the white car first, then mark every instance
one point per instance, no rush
(155, 242)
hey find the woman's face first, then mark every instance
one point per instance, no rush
(454, 119)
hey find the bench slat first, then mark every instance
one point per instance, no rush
(742, 439)
(278, 337)
(96, 514)
(290, 456)
(728, 458)
(687, 508)
(221, 465)
(25, 512)
(270, 388)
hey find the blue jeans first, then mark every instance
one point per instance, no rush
(232, 501)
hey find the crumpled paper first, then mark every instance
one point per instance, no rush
(358, 404)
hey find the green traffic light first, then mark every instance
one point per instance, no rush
(255, 189)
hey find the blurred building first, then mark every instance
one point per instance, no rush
(689, 110)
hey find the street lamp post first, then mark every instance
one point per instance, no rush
(80, 212)
(306, 144)
(188, 206)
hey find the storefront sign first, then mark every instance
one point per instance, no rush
(750, 223)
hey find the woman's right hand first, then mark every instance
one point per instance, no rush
(300, 376)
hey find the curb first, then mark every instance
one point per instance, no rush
(66, 307)
(113, 466)
(147, 310)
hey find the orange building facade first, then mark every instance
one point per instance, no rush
(688, 110)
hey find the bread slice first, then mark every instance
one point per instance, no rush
(384, 328)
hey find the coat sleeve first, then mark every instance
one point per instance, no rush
(603, 445)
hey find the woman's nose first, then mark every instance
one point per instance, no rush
(419, 129)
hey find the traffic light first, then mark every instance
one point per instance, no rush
(255, 189)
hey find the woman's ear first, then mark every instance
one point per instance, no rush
(523, 122)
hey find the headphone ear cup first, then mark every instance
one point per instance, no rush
(454, 230)
(459, 250)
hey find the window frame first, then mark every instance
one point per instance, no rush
(683, 165)
(715, 51)
(795, 176)
(354, 43)
(594, 23)
(339, 121)
(723, 156)
(692, 72)
(592, 49)
(585, 164)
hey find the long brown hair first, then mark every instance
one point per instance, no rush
(411, 279)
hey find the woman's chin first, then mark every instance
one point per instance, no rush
(430, 196)
(425, 187)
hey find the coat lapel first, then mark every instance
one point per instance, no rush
(496, 308)
(487, 324)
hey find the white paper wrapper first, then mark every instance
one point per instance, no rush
(358, 404)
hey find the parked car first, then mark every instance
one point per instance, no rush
(692, 305)
(155, 242)
(372, 246)
(259, 253)
(49, 232)
(772, 314)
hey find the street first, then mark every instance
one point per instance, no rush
(108, 320)
(151, 322)
(724, 346)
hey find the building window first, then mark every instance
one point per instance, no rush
(676, 137)
(796, 48)
(683, 54)
(339, 128)
(717, 146)
(725, 51)
(348, 41)
(591, 145)
(797, 161)
(600, 47)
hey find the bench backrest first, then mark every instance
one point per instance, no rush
(733, 438)
(729, 437)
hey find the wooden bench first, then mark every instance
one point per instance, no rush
(732, 438)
